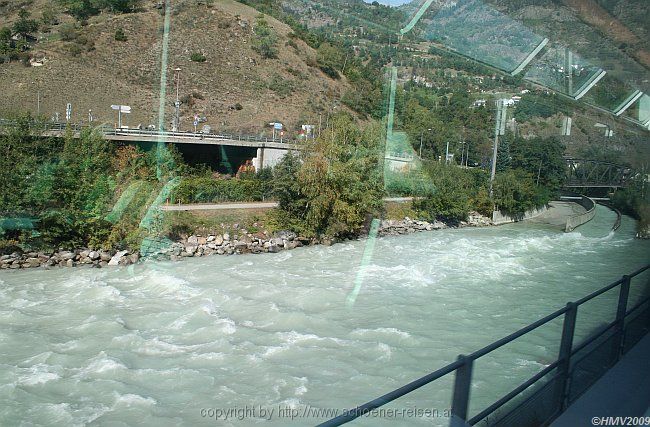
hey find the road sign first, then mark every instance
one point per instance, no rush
(277, 126)
(122, 108)
(68, 111)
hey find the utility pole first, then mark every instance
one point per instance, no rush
(447, 154)
(421, 133)
(462, 152)
(320, 123)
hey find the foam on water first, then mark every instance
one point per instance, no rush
(154, 343)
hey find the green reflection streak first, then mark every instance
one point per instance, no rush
(365, 261)
(369, 248)
(416, 18)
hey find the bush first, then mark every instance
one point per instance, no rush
(205, 189)
(283, 87)
(75, 50)
(120, 36)
(198, 57)
(330, 71)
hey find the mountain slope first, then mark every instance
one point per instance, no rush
(236, 89)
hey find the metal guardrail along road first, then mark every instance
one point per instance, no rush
(125, 134)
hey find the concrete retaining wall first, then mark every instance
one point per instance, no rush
(577, 220)
(499, 217)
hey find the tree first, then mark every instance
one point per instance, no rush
(542, 159)
(5, 40)
(503, 154)
(337, 183)
(330, 60)
(25, 26)
(265, 41)
(515, 192)
(83, 9)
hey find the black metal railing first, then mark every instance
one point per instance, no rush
(559, 384)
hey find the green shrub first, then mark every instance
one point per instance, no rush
(198, 57)
(68, 32)
(120, 36)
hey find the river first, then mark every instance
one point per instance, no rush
(154, 344)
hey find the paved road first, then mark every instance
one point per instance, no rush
(219, 206)
(248, 205)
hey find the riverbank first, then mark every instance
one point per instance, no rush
(241, 241)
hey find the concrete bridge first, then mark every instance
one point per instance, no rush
(263, 151)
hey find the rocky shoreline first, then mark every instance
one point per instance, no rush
(219, 244)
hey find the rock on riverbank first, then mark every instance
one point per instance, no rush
(218, 244)
(65, 258)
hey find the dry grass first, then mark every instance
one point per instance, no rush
(209, 222)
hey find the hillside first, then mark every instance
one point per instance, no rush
(236, 89)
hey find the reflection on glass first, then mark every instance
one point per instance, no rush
(474, 29)
(611, 94)
(564, 71)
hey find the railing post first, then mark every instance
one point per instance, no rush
(462, 386)
(620, 314)
(566, 347)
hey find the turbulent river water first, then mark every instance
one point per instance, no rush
(165, 343)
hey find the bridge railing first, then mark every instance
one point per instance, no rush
(546, 394)
(109, 130)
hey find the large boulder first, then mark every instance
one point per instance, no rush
(286, 235)
(66, 255)
(115, 260)
(33, 262)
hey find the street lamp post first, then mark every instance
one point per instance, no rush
(177, 104)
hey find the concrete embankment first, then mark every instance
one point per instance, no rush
(567, 215)
(577, 220)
